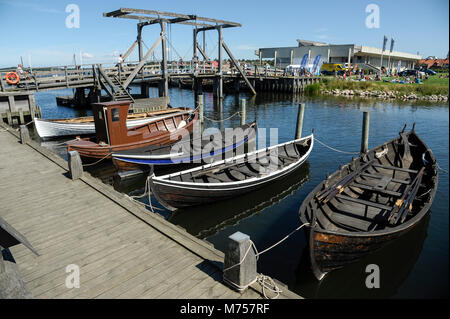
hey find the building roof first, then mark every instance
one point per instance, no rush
(305, 43)
(434, 62)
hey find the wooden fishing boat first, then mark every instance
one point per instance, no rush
(48, 128)
(112, 134)
(195, 150)
(230, 177)
(369, 202)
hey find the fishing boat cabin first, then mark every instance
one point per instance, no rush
(112, 134)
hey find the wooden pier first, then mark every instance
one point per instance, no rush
(121, 249)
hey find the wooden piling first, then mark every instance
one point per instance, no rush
(24, 134)
(243, 111)
(21, 117)
(200, 109)
(9, 117)
(301, 111)
(365, 132)
(75, 165)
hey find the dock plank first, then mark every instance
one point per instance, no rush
(122, 249)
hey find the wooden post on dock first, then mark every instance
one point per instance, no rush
(365, 132)
(243, 111)
(238, 271)
(24, 134)
(200, 110)
(75, 165)
(301, 111)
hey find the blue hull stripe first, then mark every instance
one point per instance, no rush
(190, 159)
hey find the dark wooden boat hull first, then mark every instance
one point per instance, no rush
(331, 245)
(177, 195)
(330, 251)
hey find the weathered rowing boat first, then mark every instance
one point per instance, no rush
(112, 134)
(369, 202)
(193, 150)
(47, 128)
(230, 177)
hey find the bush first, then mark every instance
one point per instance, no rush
(312, 89)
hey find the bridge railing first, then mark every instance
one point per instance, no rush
(79, 75)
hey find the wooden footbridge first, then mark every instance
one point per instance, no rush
(122, 250)
(116, 80)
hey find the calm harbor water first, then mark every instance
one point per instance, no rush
(415, 266)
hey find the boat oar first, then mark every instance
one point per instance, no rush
(339, 186)
(401, 201)
(407, 207)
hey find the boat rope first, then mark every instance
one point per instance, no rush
(148, 193)
(213, 120)
(445, 171)
(334, 149)
(91, 164)
(266, 282)
(424, 194)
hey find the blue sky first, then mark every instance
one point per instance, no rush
(37, 28)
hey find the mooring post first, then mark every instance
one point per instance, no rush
(301, 111)
(75, 165)
(200, 109)
(243, 111)
(24, 134)
(365, 132)
(240, 262)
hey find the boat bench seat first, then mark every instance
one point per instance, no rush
(383, 182)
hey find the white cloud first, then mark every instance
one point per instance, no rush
(87, 55)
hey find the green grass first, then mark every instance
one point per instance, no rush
(433, 86)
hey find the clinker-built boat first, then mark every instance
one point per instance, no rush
(230, 177)
(193, 150)
(48, 128)
(369, 202)
(112, 134)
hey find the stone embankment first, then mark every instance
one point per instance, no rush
(386, 95)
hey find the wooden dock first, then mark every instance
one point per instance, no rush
(122, 249)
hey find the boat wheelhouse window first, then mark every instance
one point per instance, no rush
(115, 115)
(100, 115)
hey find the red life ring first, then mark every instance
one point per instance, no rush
(12, 78)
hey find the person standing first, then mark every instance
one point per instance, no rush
(120, 61)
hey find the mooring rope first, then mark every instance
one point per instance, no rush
(91, 164)
(147, 192)
(265, 281)
(334, 149)
(445, 171)
(217, 121)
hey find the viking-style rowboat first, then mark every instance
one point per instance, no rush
(230, 177)
(369, 202)
(48, 128)
(112, 134)
(194, 150)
